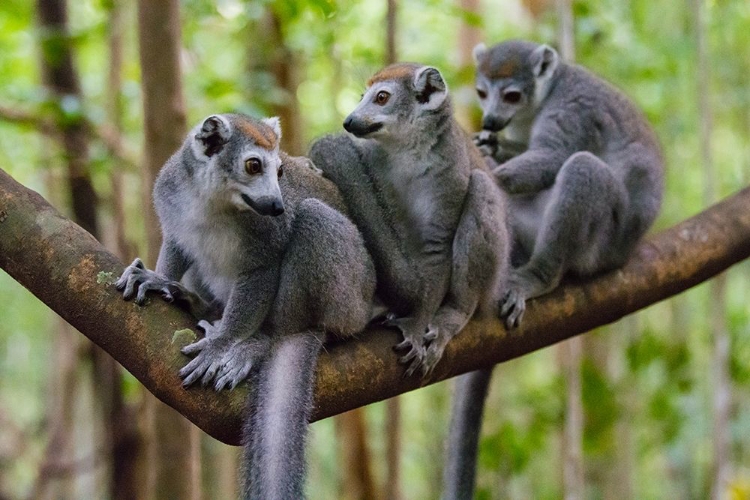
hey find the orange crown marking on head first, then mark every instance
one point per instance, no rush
(504, 70)
(393, 72)
(260, 133)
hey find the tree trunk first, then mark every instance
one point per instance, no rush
(357, 480)
(61, 80)
(571, 350)
(722, 390)
(270, 54)
(465, 98)
(177, 441)
(73, 274)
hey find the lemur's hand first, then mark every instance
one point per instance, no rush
(138, 280)
(487, 142)
(415, 336)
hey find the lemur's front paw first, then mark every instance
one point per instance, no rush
(225, 361)
(138, 280)
(414, 341)
(512, 307)
(486, 142)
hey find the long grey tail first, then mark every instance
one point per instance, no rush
(279, 408)
(463, 438)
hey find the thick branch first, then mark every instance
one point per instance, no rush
(67, 269)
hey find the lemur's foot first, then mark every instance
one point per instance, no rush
(414, 340)
(434, 351)
(512, 307)
(225, 361)
(138, 280)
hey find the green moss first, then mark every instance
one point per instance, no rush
(184, 336)
(106, 278)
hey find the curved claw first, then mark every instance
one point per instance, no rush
(512, 308)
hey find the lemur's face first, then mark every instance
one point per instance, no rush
(396, 98)
(242, 163)
(509, 77)
(253, 181)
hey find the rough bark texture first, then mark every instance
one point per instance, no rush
(72, 273)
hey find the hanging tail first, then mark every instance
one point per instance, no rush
(463, 438)
(279, 408)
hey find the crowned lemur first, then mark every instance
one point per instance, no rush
(277, 259)
(585, 187)
(431, 216)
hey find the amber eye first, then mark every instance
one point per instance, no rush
(482, 94)
(253, 166)
(512, 97)
(382, 97)
(281, 170)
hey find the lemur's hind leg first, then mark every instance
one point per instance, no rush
(480, 258)
(582, 220)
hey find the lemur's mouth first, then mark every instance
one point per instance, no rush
(361, 129)
(265, 205)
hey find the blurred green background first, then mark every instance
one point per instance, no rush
(647, 382)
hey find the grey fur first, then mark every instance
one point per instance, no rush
(590, 183)
(425, 203)
(581, 195)
(280, 281)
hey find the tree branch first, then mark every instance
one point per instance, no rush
(72, 273)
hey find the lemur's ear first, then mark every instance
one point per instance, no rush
(213, 134)
(275, 124)
(478, 52)
(430, 86)
(544, 60)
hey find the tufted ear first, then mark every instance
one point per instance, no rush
(213, 135)
(544, 60)
(478, 52)
(275, 124)
(430, 86)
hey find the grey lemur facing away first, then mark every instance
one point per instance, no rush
(276, 257)
(431, 215)
(585, 187)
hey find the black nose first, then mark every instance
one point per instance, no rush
(348, 124)
(277, 208)
(493, 123)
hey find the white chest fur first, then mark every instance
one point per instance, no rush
(215, 248)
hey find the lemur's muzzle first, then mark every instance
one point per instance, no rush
(494, 123)
(265, 205)
(360, 128)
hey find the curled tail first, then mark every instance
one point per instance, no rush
(275, 429)
(463, 438)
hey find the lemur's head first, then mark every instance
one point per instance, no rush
(241, 163)
(512, 78)
(399, 98)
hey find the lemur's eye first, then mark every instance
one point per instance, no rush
(281, 170)
(253, 166)
(482, 94)
(512, 97)
(382, 97)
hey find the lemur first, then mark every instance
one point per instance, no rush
(431, 216)
(262, 238)
(584, 174)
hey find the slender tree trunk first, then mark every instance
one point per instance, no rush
(571, 350)
(60, 78)
(358, 482)
(122, 419)
(465, 100)
(271, 55)
(177, 441)
(722, 391)
(392, 486)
